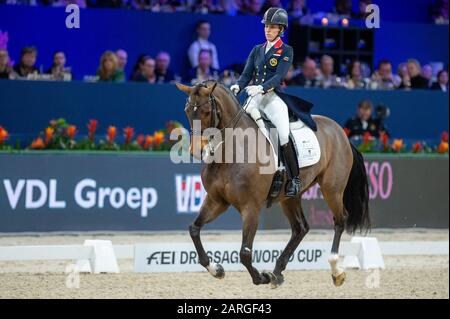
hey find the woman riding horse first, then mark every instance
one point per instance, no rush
(267, 65)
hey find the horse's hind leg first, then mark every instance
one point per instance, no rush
(334, 199)
(293, 210)
(209, 211)
(250, 216)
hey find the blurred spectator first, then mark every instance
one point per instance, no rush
(229, 77)
(58, 70)
(442, 81)
(291, 77)
(327, 78)
(108, 70)
(355, 80)
(107, 3)
(363, 122)
(343, 7)
(362, 5)
(137, 68)
(65, 3)
(204, 71)
(146, 71)
(299, 12)
(427, 73)
(383, 78)
(403, 76)
(139, 4)
(26, 66)
(122, 59)
(308, 76)
(417, 81)
(269, 4)
(5, 67)
(254, 7)
(163, 73)
(439, 12)
(167, 6)
(202, 43)
(208, 6)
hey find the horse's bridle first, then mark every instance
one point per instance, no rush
(214, 114)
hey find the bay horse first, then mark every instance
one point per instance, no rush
(340, 173)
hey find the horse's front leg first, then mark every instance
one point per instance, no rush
(209, 211)
(250, 219)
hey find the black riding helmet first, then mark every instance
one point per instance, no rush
(276, 16)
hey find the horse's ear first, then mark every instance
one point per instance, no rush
(186, 89)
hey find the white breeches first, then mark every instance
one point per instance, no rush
(275, 109)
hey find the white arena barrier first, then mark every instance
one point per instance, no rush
(101, 256)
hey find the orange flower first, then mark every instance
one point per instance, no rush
(3, 135)
(417, 147)
(111, 134)
(140, 139)
(128, 133)
(92, 127)
(49, 134)
(38, 144)
(149, 139)
(71, 131)
(397, 145)
(443, 147)
(159, 138)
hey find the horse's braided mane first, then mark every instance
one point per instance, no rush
(204, 84)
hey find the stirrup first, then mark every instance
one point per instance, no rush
(292, 188)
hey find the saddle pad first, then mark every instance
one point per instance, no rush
(306, 143)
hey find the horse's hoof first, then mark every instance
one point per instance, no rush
(275, 281)
(216, 270)
(339, 279)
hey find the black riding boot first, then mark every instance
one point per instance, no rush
(293, 184)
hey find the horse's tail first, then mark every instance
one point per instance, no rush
(356, 196)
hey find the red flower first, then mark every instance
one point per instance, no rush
(366, 138)
(384, 138)
(347, 131)
(444, 137)
(71, 131)
(111, 134)
(128, 133)
(417, 147)
(92, 127)
(140, 139)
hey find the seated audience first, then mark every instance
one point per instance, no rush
(442, 81)
(5, 67)
(146, 71)
(163, 73)
(26, 66)
(204, 71)
(108, 70)
(58, 70)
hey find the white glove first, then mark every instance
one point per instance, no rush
(253, 90)
(235, 89)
